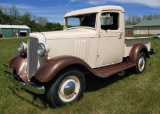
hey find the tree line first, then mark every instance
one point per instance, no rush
(10, 15)
(135, 19)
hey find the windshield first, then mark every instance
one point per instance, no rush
(87, 20)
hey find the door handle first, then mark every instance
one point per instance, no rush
(120, 35)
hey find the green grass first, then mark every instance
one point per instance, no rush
(130, 93)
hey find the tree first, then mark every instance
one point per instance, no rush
(48, 26)
(26, 18)
(41, 21)
(10, 15)
(57, 26)
(133, 19)
(53, 26)
(13, 11)
(151, 17)
(5, 10)
(1, 16)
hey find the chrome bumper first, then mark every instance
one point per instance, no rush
(29, 87)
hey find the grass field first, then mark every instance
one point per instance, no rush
(130, 93)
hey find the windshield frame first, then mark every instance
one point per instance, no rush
(77, 27)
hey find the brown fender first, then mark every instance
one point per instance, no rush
(19, 63)
(52, 67)
(136, 49)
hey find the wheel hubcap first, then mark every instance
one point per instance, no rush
(69, 88)
(141, 63)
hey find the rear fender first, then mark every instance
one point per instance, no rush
(136, 49)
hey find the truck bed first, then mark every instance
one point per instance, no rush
(131, 41)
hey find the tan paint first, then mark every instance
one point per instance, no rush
(94, 10)
(111, 42)
(130, 42)
(39, 36)
(53, 66)
(94, 46)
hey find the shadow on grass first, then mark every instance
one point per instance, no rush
(93, 83)
(34, 101)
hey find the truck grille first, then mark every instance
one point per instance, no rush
(32, 57)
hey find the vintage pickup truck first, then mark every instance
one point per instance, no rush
(93, 41)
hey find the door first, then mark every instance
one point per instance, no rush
(111, 40)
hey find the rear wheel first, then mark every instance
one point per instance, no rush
(67, 88)
(141, 63)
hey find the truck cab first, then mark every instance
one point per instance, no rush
(107, 23)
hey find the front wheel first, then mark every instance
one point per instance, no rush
(67, 88)
(141, 63)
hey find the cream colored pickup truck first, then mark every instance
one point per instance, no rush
(93, 41)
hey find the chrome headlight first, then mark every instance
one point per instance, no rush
(41, 49)
(22, 47)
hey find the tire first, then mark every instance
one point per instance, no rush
(1, 35)
(141, 63)
(68, 88)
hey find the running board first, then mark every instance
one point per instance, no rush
(113, 69)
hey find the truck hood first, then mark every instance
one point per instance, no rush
(72, 33)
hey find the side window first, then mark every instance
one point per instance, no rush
(109, 21)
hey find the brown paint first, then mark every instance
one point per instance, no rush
(113, 69)
(133, 56)
(19, 63)
(53, 66)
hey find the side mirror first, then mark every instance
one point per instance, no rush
(106, 16)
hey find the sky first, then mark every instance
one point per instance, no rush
(54, 10)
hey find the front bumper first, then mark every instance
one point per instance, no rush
(33, 88)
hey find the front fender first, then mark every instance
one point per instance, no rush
(52, 67)
(19, 63)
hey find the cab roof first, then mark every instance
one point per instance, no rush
(94, 10)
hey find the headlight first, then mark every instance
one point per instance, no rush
(41, 49)
(22, 47)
